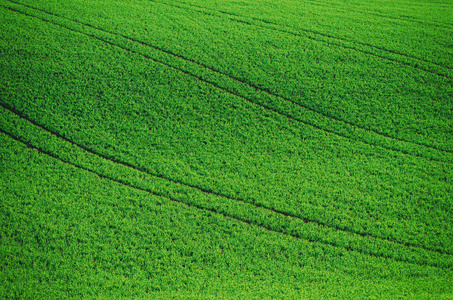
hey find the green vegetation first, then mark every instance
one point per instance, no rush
(245, 150)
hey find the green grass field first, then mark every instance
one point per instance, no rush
(189, 149)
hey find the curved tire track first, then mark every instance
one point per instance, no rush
(315, 33)
(364, 11)
(264, 90)
(306, 220)
(119, 181)
(218, 194)
(402, 18)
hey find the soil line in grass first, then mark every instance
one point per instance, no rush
(311, 38)
(45, 152)
(218, 194)
(264, 90)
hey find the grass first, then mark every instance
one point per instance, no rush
(238, 150)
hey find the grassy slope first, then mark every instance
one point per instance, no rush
(357, 87)
(199, 135)
(68, 232)
(220, 142)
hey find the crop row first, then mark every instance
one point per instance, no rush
(56, 147)
(265, 99)
(147, 138)
(84, 236)
(268, 100)
(385, 96)
(425, 42)
(426, 13)
(377, 95)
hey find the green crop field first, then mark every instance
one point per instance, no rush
(250, 149)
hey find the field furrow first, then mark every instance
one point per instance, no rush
(113, 230)
(369, 91)
(340, 127)
(257, 199)
(240, 149)
(281, 28)
(260, 216)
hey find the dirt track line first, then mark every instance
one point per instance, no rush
(306, 220)
(315, 33)
(218, 194)
(226, 215)
(402, 18)
(232, 93)
(264, 90)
